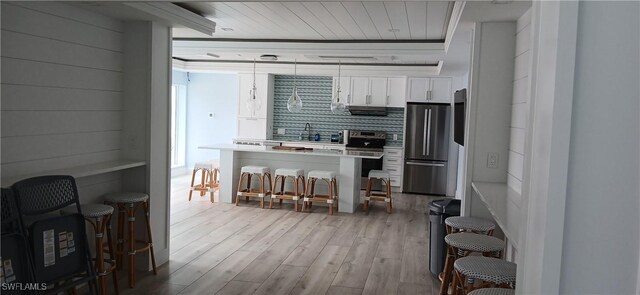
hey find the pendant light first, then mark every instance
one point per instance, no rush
(294, 104)
(337, 107)
(253, 104)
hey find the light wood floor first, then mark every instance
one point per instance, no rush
(223, 249)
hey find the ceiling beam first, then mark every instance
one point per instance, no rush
(176, 14)
(456, 14)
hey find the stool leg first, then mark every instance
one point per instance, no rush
(145, 206)
(367, 194)
(249, 176)
(388, 182)
(273, 190)
(239, 188)
(120, 236)
(313, 192)
(306, 194)
(262, 190)
(99, 265)
(284, 178)
(295, 192)
(446, 272)
(335, 190)
(212, 178)
(131, 246)
(193, 179)
(203, 181)
(331, 197)
(114, 274)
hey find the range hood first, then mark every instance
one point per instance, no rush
(367, 111)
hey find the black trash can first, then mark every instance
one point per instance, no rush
(439, 210)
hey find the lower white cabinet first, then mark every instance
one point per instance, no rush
(392, 163)
(254, 128)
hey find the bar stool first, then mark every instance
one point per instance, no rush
(378, 196)
(461, 245)
(492, 272)
(309, 196)
(209, 183)
(283, 174)
(493, 291)
(127, 204)
(469, 224)
(99, 216)
(261, 172)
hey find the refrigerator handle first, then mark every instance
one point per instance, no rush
(429, 133)
(424, 132)
(426, 164)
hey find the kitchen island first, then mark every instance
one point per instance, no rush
(346, 164)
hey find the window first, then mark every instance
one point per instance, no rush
(178, 125)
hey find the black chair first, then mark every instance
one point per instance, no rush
(59, 244)
(16, 264)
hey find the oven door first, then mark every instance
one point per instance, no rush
(368, 165)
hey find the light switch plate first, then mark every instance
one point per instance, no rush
(395, 137)
(492, 160)
(212, 115)
(281, 131)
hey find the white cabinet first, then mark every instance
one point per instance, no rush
(392, 163)
(255, 122)
(429, 89)
(264, 96)
(359, 91)
(368, 91)
(378, 92)
(396, 92)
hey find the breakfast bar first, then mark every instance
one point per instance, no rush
(345, 163)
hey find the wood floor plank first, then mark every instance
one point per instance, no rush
(205, 262)
(338, 290)
(238, 288)
(383, 277)
(282, 280)
(415, 289)
(223, 273)
(415, 267)
(270, 259)
(354, 270)
(308, 250)
(372, 229)
(347, 232)
(321, 273)
(391, 241)
(271, 234)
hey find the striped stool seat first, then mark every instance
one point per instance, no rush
(211, 165)
(321, 174)
(380, 174)
(90, 210)
(126, 197)
(474, 224)
(474, 242)
(487, 269)
(493, 291)
(255, 169)
(289, 172)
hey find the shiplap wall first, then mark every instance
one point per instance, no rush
(61, 90)
(520, 103)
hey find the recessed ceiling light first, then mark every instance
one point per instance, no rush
(213, 55)
(394, 30)
(227, 29)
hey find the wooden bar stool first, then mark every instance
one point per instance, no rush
(377, 195)
(309, 196)
(490, 272)
(461, 245)
(493, 291)
(99, 216)
(209, 183)
(127, 204)
(283, 174)
(248, 192)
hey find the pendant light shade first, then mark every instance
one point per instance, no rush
(294, 104)
(337, 106)
(253, 104)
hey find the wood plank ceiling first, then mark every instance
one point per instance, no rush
(397, 20)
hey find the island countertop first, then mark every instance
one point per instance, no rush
(314, 152)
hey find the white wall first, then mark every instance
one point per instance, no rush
(600, 250)
(520, 103)
(210, 93)
(62, 91)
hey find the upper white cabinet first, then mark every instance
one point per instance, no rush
(378, 92)
(359, 91)
(255, 119)
(429, 89)
(396, 92)
(264, 96)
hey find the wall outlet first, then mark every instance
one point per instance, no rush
(395, 137)
(492, 160)
(212, 115)
(281, 131)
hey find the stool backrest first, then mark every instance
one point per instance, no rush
(10, 215)
(16, 264)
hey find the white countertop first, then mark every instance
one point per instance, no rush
(500, 199)
(314, 152)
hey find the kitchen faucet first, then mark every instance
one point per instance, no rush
(307, 127)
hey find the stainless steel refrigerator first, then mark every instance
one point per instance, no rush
(426, 148)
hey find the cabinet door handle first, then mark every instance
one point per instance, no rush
(349, 98)
(387, 103)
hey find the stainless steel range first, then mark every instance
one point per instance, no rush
(367, 141)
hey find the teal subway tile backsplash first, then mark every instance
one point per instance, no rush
(315, 92)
